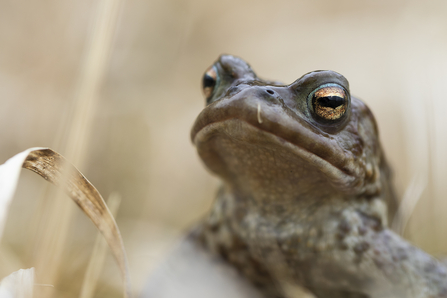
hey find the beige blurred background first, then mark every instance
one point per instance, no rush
(394, 54)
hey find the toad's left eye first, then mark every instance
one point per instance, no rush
(209, 82)
(329, 102)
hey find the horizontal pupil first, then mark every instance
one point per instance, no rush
(208, 81)
(331, 101)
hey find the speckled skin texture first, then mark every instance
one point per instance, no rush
(303, 202)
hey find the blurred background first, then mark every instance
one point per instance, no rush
(119, 101)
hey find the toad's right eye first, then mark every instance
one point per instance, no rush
(209, 82)
(329, 103)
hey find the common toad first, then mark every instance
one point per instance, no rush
(306, 196)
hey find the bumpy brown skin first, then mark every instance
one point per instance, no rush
(303, 202)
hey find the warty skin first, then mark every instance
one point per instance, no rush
(305, 200)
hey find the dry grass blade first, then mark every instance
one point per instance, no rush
(57, 170)
(411, 197)
(9, 176)
(18, 284)
(98, 256)
(54, 223)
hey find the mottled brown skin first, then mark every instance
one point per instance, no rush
(304, 202)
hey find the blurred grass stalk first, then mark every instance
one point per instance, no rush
(98, 256)
(411, 197)
(54, 221)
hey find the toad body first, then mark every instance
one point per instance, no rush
(306, 196)
(305, 201)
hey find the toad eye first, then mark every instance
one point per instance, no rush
(209, 82)
(329, 102)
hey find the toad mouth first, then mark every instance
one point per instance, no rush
(236, 118)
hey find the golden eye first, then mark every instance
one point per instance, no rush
(330, 102)
(209, 82)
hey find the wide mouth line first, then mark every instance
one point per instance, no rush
(302, 152)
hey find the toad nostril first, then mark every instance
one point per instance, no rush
(271, 92)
